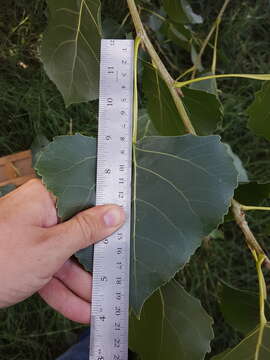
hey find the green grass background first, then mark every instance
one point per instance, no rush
(30, 105)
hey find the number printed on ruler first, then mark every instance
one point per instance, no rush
(110, 294)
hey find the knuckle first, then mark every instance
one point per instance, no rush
(34, 183)
(37, 186)
(88, 227)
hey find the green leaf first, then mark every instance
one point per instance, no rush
(181, 12)
(240, 308)
(160, 105)
(154, 22)
(221, 355)
(179, 34)
(242, 174)
(256, 346)
(204, 109)
(6, 189)
(68, 169)
(173, 325)
(112, 29)
(70, 48)
(145, 125)
(39, 143)
(183, 184)
(208, 85)
(259, 113)
(85, 258)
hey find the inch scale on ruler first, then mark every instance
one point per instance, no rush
(110, 295)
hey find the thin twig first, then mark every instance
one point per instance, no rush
(251, 241)
(208, 37)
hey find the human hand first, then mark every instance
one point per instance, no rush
(35, 250)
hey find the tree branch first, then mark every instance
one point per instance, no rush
(140, 30)
(251, 241)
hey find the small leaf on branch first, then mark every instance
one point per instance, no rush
(259, 114)
(173, 325)
(256, 346)
(204, 109)
(240, 308)
(179, 35)
(112, 30)
(208, 85)
(145, 125)
(70, 48)
(181, 12)
(37, 146)
(242, 174)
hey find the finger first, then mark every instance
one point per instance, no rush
(86, 228)
(76, 279)
(59, 297)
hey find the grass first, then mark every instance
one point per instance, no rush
(30, 104)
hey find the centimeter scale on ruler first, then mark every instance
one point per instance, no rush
(110, 293)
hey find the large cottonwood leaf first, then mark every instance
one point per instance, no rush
(182, 187)
(181, 12)
(68, 169)
(256, 346)
(204, 109)
(259, 113)
(173, 325)
(70, 48)
(240, 308)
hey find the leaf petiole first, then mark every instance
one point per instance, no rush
(259, 259)
(262, 77)
(248, 208)
(135, 101)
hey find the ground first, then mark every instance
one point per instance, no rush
(30, 105)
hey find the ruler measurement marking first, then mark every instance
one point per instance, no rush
(110, 296)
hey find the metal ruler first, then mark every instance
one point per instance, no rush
(110, 295)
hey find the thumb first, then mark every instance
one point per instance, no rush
(84, 229)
